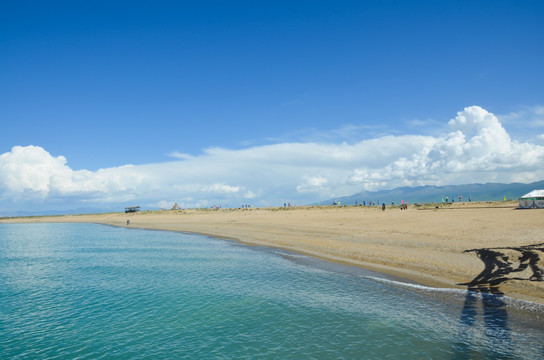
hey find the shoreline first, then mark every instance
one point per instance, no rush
(426, 247)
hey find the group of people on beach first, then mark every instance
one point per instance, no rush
(403, 205)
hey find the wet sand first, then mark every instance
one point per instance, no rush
(423, 244)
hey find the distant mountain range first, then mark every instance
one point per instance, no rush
(435, 194)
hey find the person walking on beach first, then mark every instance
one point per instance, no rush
(383, 206)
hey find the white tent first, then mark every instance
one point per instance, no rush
(534, 199)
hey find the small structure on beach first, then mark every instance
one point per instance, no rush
(532, 200)
(176, 207)
(132, 209)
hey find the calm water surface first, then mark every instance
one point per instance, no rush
(86, 291)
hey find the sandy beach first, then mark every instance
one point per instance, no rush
(424, 244)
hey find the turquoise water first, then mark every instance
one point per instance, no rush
(87, 291)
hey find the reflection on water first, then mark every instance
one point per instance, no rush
(492, 308)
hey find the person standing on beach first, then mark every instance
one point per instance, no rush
(383, 206)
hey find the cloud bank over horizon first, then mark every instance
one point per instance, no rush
(476, 148)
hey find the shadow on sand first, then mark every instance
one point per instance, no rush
(523, 263)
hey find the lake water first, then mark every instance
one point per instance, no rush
(87, 291)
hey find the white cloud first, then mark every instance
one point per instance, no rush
(220, 189)
(476, 149)
(312, 184)
(249, 195)
(31, 172)
(180, 155)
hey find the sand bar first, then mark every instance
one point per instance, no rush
(423, 244)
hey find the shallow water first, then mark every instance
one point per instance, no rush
(92, 291)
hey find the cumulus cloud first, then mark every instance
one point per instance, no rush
(312, 184)
(477, 148)
(32, 172)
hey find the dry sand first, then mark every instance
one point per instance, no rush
(425, 245)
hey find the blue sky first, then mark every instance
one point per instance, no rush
(182, 88)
